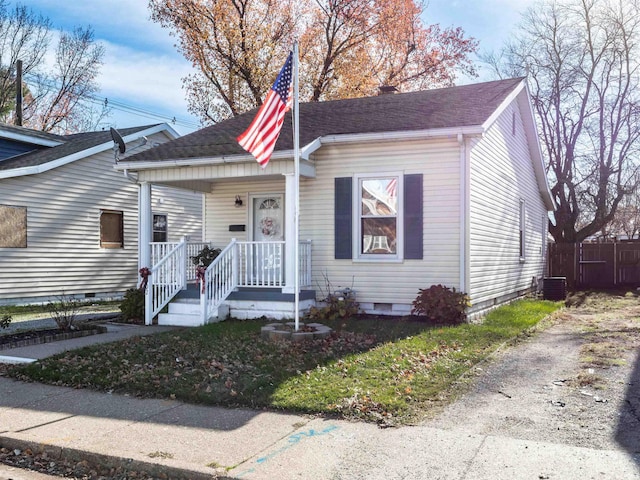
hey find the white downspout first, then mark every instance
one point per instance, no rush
(464, 215)
(130, 176)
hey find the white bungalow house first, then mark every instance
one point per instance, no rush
(397, 192)
(69, 221)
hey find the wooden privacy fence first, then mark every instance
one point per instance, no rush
(596, 265)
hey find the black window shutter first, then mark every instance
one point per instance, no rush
(343, 218)
(413, 223)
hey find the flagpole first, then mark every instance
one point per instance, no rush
(296, 173)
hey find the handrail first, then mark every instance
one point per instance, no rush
(220, 279)
(159, 250)
(167, 278)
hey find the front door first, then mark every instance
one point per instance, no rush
(268, 226)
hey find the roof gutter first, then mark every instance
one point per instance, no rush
(307, 150)
(347, 138)
(33, 140)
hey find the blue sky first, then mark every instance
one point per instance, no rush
(143, 69)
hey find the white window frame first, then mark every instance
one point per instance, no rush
(166, 228)
(357, 219)
(522, 231)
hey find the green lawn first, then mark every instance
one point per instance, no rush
(383, 370)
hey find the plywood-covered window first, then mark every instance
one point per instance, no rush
(111, 229)
(13, 227)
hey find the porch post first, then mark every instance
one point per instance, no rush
(289, 234)
(144, 235)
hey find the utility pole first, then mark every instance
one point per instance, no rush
(19, 93)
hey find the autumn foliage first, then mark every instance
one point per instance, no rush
(347, 49)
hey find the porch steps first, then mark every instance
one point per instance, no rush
(185, 312)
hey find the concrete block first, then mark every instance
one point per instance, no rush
(301, 336)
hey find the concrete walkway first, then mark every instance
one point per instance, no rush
(191, 441)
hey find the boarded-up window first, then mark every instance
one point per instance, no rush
(13, 227)
(111, 229)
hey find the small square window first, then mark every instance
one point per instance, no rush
(159, 227)
(111, 229)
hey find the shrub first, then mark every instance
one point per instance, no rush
(205, 257)
(340, 304)
(441, 304)
(5, 321)
(64, 311)
(132, 306)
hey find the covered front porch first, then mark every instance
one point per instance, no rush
(246, 280)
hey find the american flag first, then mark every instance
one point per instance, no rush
(260, 138)
(392, 188)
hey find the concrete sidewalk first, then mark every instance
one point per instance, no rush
(192, 441)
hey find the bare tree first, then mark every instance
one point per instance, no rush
(24, 36)
(582, 58)
(57, 98)
(626, 222)
(63, 99)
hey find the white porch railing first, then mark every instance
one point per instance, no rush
(304, 263)
(167, 278)
(220, 279)
(260, 264)
(240, 264)
(159, 250)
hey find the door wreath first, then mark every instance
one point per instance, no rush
(268, 227)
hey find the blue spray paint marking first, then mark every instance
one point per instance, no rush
(291, 441)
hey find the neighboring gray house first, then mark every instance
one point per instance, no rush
(397, 192)
(69, 220)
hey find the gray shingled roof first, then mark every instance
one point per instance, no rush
(462, 106)
(72, 144)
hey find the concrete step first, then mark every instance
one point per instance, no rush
(187, 314)
(179, 319)
(185, 306)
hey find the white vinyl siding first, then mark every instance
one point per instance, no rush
(183, 209)
(502, 182)
(221, 210)
(390, 283)
(63, 254)
(375, 282)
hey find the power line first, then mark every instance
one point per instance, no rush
(122, 106)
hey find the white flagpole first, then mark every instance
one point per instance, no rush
(296, 173)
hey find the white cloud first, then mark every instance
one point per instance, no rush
(143, 77)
